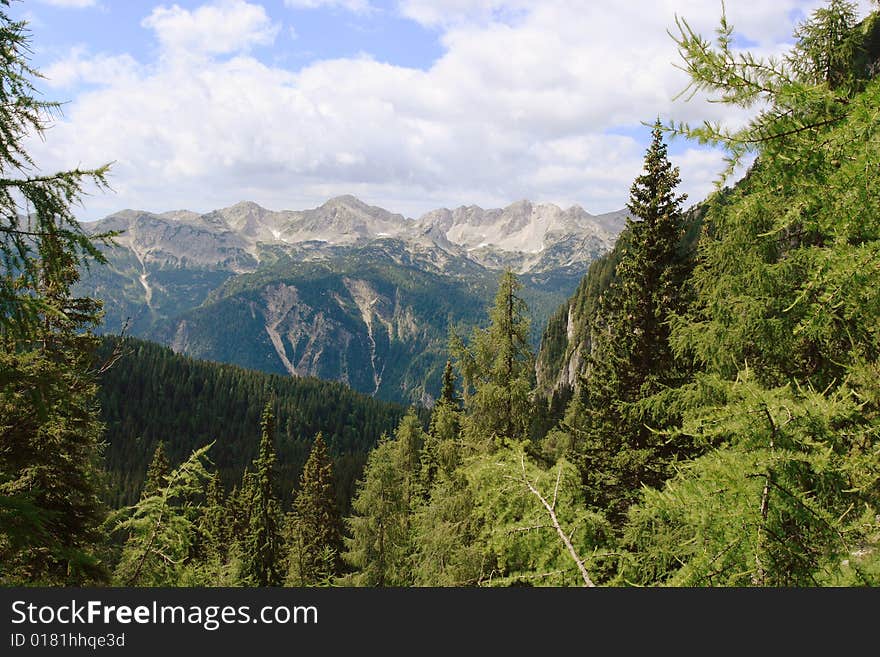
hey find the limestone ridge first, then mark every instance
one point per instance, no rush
(524, 236)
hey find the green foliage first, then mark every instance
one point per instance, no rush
(497, 369)
(315, 535)
(612, 423)
(49, 465)
(152, 394)
(215, 524)
(380, 545)
(567, 337)
(522, 545)
(157, 472)
(447, 550)
(440, 452)
(785, 281)
(826, 46)
(162, 526)
(799, 96)
(49, 427)
(783, 501)
(262, 545)
(447, 391)
(485, 525)
(784, 323)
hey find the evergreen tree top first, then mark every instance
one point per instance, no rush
(157, 472)
(652, 194)
(447, 393)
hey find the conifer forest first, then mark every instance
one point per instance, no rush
(703, 411)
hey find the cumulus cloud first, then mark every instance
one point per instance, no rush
(223, 27)
(540, 106)
(81, 67)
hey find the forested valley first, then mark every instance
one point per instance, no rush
(705, 411)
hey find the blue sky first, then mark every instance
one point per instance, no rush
(306, 35)
(408, 104)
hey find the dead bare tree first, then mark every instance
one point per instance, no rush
(551, 511)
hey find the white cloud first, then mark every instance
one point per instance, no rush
(450, 12)
(356, 6)
(80, 67)
(71, 4)
(225, 26)
(537, 107)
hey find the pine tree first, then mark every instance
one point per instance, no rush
(377, 526)
(315, 534)
(238, 507)
(630, 360)
(440, 452)
(49, 427)
(214, 525)
(497, 369)
(162, 527)
(650, 274)
(50, 430)
(447, 392)
(380, 546)
(263, 545)
(157, 471)
(213, 554)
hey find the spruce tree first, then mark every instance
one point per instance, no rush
(447, 392)
(214, 524)
(630, 359)
(213, 555)
(315, 535)
(440, 452)
(238, 507)
(50, 429)
(650, 274)
(157, 471)
(262, 556)
(497, 368)
(377, 526)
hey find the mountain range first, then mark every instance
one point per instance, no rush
(345, 291)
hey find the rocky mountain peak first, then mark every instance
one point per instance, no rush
(523, 235)
(346, 200)
(181, 215)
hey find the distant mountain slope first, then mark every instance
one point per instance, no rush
(375, 325)
(151, 394)
(344, 291)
